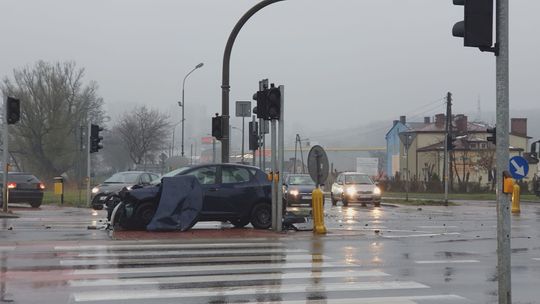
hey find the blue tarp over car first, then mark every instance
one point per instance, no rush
(179, 205)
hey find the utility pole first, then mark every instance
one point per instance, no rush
(448, 133)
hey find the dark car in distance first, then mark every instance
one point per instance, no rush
(24, 188)
(297, 189)
(117, 182)
(236, 193)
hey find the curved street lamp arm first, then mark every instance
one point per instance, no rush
(225, 87)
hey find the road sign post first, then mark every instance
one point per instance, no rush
(318, 170)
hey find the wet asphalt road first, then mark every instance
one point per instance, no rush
(370, 255)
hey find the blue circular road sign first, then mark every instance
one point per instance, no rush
(519, 167)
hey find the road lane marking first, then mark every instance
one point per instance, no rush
(164, 246)
(436, 227)
(245, 290)
(211, 259)
(7, 248)
(189, 252)
(421, 235)
(447, 261)
(227, 278)
(199, 268)
(536, 259)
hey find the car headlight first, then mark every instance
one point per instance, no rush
(350, 191)
(377, 191)
(95, 190)
(128, 187)
(293, 192)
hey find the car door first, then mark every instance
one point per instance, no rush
(209, 179)
(238, 190)
(337, 187)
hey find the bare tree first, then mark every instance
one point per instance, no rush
(54, 103)
(143, 132)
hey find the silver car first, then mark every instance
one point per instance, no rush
(355, 187)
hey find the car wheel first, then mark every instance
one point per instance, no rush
(240, 222)
(143, 215)
(377, 204)
(345, 202)
(261, 216)
(334, 201)
(35, 204)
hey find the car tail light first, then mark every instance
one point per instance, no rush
(41, 186)
(12, 185)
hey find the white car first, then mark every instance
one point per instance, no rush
(355, 187)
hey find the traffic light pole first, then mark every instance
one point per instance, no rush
(502, 154)
(225, 84)
(88, 179)
(446, 145)
(274, 169)
(5, 158)
(281, 148)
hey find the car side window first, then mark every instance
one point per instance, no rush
(145, 178)
(206, 175)
(233, 175)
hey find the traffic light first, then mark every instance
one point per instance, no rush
(95, 138)
(274, 102)
(13, 110)
(493, 137)
(217, 127)
(477, 27)
(450, 142)
(253, 135)
(262, 104)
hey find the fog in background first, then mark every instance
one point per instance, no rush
(349, 67)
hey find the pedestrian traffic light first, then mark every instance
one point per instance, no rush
(13, 110)
(253, 135)
(217, 127)
(95, 138)
(274, 102)
(493, 137)
(450, 142)
(477, 27)
(262, 104)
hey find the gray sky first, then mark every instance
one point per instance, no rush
(344, 63)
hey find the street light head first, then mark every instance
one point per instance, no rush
(179, 103)
(199, 65)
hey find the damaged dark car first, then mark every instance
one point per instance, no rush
(239, 194)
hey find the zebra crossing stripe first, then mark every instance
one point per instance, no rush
(7, 248)
(165, 246)
(377, 300)
(214, 259)
(187, 252)
(421, 235)
(536, 259)
(246, 290)
(227, 278)
(446, 261)
(200, 268)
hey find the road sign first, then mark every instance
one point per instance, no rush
(367, 165)
(318, 164)
(243, 108)
(519, 167)
(407, 138)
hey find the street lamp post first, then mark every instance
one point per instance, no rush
(182, 103)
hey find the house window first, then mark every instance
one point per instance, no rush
(483, 145)
(473, 146)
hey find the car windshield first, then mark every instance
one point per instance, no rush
(358, 179)
(21, 178)
(169, 174)
(300, 180)
(123, 178)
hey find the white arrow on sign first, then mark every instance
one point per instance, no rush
(520, 170)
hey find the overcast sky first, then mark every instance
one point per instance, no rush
(344, 63)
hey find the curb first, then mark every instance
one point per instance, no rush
(8, 215)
